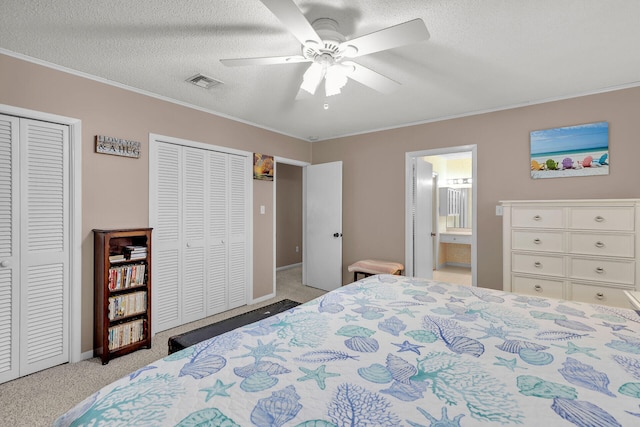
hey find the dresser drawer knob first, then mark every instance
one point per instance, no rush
(538, 288)
(599, 218)
(599, 244)
(537, 241)
(600, 295)
(537, 264)
(537, 218)
(599, 270)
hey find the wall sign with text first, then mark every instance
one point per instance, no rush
(117, 146)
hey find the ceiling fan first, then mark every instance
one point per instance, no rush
(330, 53)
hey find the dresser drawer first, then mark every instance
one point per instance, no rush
(540, 287)
(603, 270)
(537, 217)
(538, 241)
(538, 264)
(602, 218)
(599, 295)
(619, 245)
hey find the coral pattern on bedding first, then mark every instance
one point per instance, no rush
(394, 351)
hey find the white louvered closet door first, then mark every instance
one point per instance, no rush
(217, 233)
(237, 252)
(34, 246)
(9, 249)
(199, 213)
(194, 199)
(44, 246)
(167, 240)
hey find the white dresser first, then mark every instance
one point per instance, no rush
(583, 250)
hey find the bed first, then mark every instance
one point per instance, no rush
(395, 351)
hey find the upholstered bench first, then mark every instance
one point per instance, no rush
(369, 267)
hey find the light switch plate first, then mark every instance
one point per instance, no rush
(499, 210)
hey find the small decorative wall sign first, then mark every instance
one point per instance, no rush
(580, 150)
(262, 167)
(117, 146)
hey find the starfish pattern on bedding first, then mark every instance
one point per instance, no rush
(319, 375)
(406, 311)
(510, 364)
(350, 318)
(407, 346)
(572, 349)
(218, 389)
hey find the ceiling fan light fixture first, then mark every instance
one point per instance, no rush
(336, 78)
(312, 78)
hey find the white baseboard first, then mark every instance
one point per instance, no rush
(263, 298)
(288, 267)
(86, 355)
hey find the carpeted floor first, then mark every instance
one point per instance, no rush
(38, 399)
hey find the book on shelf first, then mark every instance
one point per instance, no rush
(127, 276)
(127, 305)
(126, 334)
(116, 257)
(134, 252)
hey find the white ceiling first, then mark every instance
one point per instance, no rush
(483, 55)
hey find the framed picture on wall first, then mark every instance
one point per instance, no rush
(580, 150)
(262, 167)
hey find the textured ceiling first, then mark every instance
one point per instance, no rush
(482, 55)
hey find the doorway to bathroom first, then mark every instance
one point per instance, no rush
(441, 211)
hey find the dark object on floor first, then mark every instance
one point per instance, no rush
(178, 342)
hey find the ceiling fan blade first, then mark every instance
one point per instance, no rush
(399, 35)
(292, 18)
(264, 61)
(370, 78)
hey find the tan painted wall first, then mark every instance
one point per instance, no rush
(288, 215)
(374, 171)
(263, 254)
(107, 110)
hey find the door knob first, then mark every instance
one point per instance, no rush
(337, 234)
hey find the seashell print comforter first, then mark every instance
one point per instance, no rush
(394, 351)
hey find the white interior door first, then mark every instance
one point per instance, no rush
(199, 201)
(34, 246)
(9, 249)
(323, 225)
(423, 219)
(194, 198)
(165, 189)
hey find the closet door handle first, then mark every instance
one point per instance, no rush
(5, 263)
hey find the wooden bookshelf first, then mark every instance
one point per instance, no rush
(122, 292)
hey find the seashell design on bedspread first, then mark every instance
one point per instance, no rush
(394, 351)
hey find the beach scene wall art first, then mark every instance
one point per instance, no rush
(580, 150)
